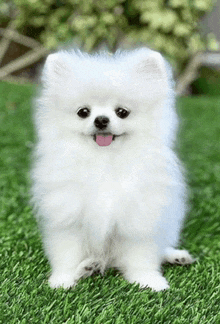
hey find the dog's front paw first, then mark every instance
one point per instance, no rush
(64, 280)
(149, 279)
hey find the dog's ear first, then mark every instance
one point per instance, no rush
(151, 68)
(149, 63)
(150, 72)
(56, 67)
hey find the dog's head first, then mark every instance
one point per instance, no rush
(106, 99)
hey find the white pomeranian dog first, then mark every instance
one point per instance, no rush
(107, 185)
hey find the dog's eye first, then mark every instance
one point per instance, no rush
(83, 112)
(122, 112)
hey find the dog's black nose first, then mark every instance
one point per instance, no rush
(101, 122)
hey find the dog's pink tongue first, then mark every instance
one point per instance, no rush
(103, 140)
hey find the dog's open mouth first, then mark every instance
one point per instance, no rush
(104, 139)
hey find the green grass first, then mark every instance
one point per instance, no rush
(194, 296)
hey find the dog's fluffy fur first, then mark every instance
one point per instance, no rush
(120, 205)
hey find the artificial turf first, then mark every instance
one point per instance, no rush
(25, 297)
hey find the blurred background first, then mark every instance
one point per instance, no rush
(187, 32)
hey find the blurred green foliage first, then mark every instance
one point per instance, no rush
(170, 26)
(207, 83)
